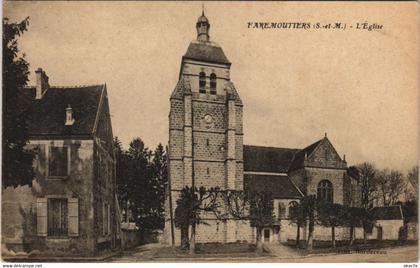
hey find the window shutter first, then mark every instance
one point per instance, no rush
(41, 216)
(73, 210)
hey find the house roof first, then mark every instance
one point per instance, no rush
(206, 51)
(47, 115)
(278, 185)
(387, 213)
(268, 159)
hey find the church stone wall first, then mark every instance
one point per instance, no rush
(225, 231)
(176, 170)
(208, 146)
(239, 182)
(176, 116)
(209, 174)
(216, 109)
(335, 176)
(325, 156)
(193, 69)
(239, 120)
(213, 231)
(176, 146)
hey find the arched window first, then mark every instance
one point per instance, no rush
(293, 206)
(202, 82)
(325, 191)
(213, 84)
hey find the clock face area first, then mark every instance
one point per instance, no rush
(208, 121)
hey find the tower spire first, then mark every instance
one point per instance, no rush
(203, 27)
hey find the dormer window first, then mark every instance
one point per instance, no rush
(69, 116)
(202, 82)
(213, 82)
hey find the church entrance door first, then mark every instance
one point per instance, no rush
(266, 235)
(379, 228)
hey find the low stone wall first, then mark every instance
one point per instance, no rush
(288, 231)
(224, 231)
(324, 233)
(130, 239)
(412, 231)
(18, 219)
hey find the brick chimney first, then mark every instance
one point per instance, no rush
(41, 83)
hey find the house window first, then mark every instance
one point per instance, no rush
(202, 82)
(282, 211)
(293, 206)
(58, 162)
(213, 84)
(325, 191)
(57, 217)
(105, 214)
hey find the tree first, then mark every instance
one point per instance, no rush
(260, 214)
(413, 176)
(367, 175)
(389, 186)
(331, 215)
(297, 216)
(159, 181)
(352, 218)
(257, 207)
(141, 179)
(138, 189)
(17, 161)
(191, 204)
(309, 205)
(122, 177)
(413, 180)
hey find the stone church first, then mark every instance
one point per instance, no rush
(206, 149)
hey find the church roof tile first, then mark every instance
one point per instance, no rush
(206, 51)
(268, 159)
(279, 186)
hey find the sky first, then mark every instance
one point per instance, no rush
(358, 86)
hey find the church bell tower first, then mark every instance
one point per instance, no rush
(205, 131)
